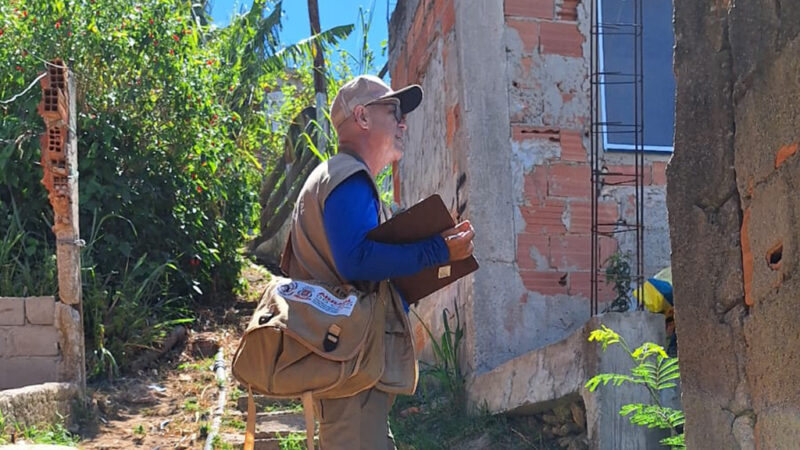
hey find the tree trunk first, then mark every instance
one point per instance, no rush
(320, 88)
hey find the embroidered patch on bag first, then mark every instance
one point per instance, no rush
(318, 297)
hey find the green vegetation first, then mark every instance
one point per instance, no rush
(618, 274)
(292, 441)
(656, 372)
(56, 433)
(175, 131)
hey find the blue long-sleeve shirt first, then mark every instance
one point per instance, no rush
(350, 212)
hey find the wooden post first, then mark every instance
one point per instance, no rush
(60, 163)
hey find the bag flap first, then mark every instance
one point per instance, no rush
(330, 321)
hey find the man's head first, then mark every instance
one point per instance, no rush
(370, 118)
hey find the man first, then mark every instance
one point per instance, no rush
(337, 207)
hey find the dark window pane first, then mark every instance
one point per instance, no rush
(618, 65)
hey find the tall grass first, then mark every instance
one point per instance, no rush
(128, 310)
(27, 260)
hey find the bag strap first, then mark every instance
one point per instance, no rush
(308, 411)
(250, 430)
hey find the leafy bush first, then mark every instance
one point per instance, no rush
(169, 125)
(656, 372)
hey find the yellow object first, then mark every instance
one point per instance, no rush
(653, 300)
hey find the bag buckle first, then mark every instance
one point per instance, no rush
(331, 338)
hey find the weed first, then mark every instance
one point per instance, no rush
(233, 422)
(203, 430)
(191, 405)
(618, 274)
(654, 370)
(446, 369)
(56, 433)
(218, 444)
(203, 365)
(292, 441)
(139, 430)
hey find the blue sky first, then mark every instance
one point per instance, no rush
(331, 13)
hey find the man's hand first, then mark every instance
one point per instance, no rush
(459, 240)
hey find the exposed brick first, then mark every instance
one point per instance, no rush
(571, 252)
(560, 38)
(608, 246)
(448, 16)
(452, 122)
(572, 148)
(528, 33)
(533, 251)
(536, 185)
(34, 340)
(545, 282)
(567, 10)
(545, 217)
(521, 132)
(40, 310)
(660, 173)
(542, 9)
(567, 180)
(580, 283)
(25, 371)
(12, 311)
(785, 152)
(578, 215)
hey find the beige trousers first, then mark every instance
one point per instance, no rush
(358, 422)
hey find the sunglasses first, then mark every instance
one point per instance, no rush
(398, 112)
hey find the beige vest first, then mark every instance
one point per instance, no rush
(311, 258)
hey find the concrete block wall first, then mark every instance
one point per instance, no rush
(502, 135)
(36, 337)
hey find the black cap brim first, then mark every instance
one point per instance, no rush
(410, 97)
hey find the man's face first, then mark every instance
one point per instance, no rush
(388, 127)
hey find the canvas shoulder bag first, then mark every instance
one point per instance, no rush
(310, 340)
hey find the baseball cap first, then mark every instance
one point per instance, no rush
(367, 89)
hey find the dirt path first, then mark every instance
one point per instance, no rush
(170, 404)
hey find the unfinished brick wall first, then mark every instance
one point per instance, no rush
(502, 135)
(33, 331)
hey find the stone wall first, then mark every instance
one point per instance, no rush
(39, 342)
(502, 135)
(734, 214)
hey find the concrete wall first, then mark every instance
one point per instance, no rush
(502, 135)
(733, 202)
(39, 341)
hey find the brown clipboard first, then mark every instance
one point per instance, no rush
(423, 220)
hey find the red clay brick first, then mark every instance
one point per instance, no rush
(561, 38)
(543, 282)
(521, 132)
(528, 33)
(567, 10)
(539, 245)
(660, 173)
(580, 283)
(536, 185)
(544, 218)
(569, 181)
(608, 246)
(541, 9)
(580, 214)
(571, 252)
(572, 146)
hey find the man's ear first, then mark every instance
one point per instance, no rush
(361, 117)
